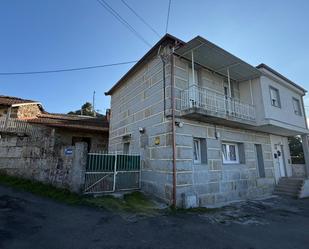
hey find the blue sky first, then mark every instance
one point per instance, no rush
(53, 34)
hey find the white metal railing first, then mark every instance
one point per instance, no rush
(15, 125)
(217, 104)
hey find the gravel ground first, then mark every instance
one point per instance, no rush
(28, 221)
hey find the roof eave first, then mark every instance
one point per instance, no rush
(268, 68)
(164, 39)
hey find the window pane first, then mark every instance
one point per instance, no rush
(196, 150)
(224, 153)
(274, 95)
(232, 150)
(296, 106)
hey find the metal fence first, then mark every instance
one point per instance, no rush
(112, 172)
(214, 102)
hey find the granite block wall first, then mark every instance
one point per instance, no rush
(39, 158)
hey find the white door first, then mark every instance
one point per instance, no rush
(280, 159)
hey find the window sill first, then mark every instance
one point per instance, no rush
(200, 164)
(276, 106)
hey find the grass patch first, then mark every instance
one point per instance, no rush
(135, 202)
(41, 189)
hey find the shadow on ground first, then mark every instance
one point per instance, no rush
(28, 221)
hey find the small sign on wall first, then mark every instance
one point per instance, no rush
(157, 140)
(68, 151)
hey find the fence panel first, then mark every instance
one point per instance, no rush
(112, 172)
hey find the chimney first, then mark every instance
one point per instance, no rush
(108, 114)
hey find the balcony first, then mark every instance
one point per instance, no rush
(16, 126)
(197, 101)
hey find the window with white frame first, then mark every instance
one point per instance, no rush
(197, 151)
(296, 106)
(274, 97)
(230, 153)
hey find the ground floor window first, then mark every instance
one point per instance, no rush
(126, 148)
(230, 153)
(196, 150)
(199, 151)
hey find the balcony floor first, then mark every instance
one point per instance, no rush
(200, 114)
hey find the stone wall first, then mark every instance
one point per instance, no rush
(28, 111)
(213, 182)
(139, 104)
(299, 170)
(99, 141)
(39, 158)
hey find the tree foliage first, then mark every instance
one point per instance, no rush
(296, 149)
(86, 110)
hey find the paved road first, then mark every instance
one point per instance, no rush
(28, 221)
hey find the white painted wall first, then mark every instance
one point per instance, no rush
(285, 113)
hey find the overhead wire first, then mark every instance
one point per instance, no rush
(68, 69)
(168, 15)
(112, 11)
(140, 18)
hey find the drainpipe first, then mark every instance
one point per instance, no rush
(173, 129)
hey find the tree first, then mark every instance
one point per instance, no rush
(296, 149)
(86, 110)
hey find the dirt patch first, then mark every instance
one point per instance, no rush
(252, 212)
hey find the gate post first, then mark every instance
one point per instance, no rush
(79, 163)
(115, 172)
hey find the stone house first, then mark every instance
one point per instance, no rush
(47, 147)
(67, 129)
(210, 128)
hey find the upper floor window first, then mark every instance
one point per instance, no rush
(274, 97)
(296, 106)
(230, 153)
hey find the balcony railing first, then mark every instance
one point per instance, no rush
(14, 125)
(215, 104)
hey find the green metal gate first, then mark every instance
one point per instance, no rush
(112, 172)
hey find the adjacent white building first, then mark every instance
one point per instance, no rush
(210, 128)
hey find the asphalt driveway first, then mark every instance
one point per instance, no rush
(28, 221)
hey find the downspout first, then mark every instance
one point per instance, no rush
(173, 129)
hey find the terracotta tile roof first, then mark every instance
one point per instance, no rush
(99, 124)
(9, 100)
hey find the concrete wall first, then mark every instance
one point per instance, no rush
(40, 158)
(299, 170)
(285, 114)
